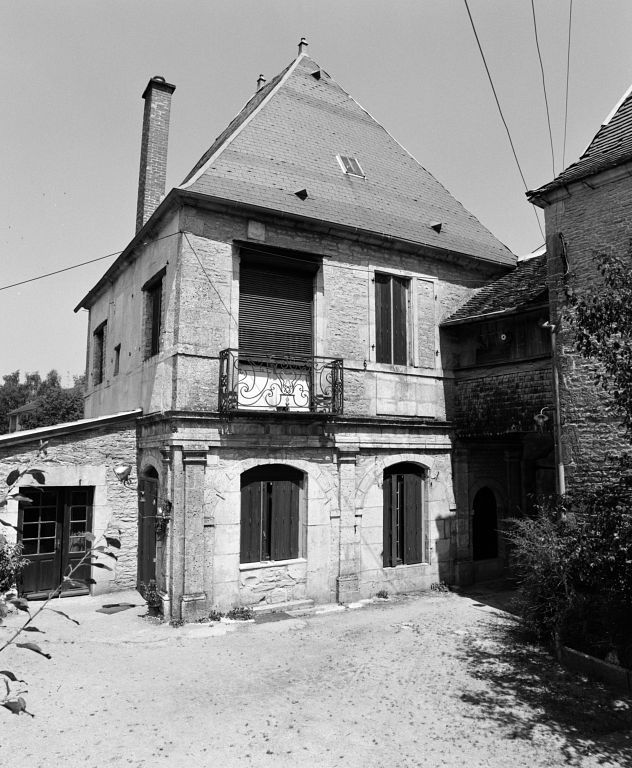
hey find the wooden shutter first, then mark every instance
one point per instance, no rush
(251, 522)
(413, 545)
(400, 340)
(383, 330)
(284, 527)
(389, 520)
(275, 310)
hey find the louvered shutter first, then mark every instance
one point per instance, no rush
(413, 545)
(284, 528)
(387, 490)
(275, 311)
(400, 342)
(251, 522)
(383, 351)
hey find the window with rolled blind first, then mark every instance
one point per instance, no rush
(391, 319)
(276, 307)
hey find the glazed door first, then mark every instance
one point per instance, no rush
(147, 509)
(52, 532)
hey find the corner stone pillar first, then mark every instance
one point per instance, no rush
(348, 583)
(189, 601)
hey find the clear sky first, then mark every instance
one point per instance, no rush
(74, 71)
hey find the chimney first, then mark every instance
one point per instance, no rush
(261, 81)
(153, 148)
(302, 46)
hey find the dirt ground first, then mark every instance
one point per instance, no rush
(430, 680)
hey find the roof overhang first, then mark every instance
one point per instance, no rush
(518, 310)
(70, 427)
(178, 197)
(559, 190)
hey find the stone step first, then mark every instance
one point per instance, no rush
(293, 607)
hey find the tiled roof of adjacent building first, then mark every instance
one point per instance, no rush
(287, 139)
(611, 146)
(521, 289)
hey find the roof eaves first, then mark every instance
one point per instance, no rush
(200, 197)
(169, 200)
(81, 425)
(517, 310)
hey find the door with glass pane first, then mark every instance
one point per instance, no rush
(52, 532)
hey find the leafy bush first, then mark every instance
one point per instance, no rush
(574, 563)
(11, 564)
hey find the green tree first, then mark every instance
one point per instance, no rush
(14, 393)
(55, 404)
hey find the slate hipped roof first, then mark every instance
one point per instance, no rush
(611, 146)
(287, 138)
(520, 290)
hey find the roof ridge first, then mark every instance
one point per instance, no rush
(198, 171)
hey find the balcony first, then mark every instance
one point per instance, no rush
(268, 383)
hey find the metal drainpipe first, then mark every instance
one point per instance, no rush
(561, 481)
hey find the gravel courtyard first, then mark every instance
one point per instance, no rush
(418, 681)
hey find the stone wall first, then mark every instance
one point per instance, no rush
(86, 458)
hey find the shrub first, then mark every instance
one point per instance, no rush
(573, 559)
(11, 564)
(242, 613)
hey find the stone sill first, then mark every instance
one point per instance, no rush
(402, 566)
(270, 564)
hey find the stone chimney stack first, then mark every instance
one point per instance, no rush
(153, 149)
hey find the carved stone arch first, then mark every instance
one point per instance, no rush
(375, 473)
(318, 485)
(497, 488)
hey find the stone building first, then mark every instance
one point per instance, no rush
(327, 377)
(276, 318)
(588, 211)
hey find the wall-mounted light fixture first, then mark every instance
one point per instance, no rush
(123, 472)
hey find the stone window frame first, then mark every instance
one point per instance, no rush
(414, 358)
(153, 322)
(301, 555)
(99, 342)
(423, 523)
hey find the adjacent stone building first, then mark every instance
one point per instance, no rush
(588, 211)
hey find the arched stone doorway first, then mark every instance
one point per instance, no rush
(147, 509)
(484, 525)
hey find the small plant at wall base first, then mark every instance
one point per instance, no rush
(151, 596)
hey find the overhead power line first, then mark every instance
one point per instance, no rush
(502, 117)
(73, 266)
(546, 101)
(568, 61)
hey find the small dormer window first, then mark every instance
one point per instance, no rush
(350, 166)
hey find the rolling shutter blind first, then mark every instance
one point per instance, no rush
(275, 311)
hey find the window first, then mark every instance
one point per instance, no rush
(391, 319)
(276, 305)
(350, 166)
(98, 354)
(153, 314)
(405, 519)
(117, 359)
(270, 519)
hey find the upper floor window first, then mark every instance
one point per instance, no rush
(98, 354)
(276, 298)
(153, 313)
(391, 319)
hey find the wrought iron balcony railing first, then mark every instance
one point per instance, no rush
(279, 383)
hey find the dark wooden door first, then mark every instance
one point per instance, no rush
(53, 532)
(147, 509)
(485, 525)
